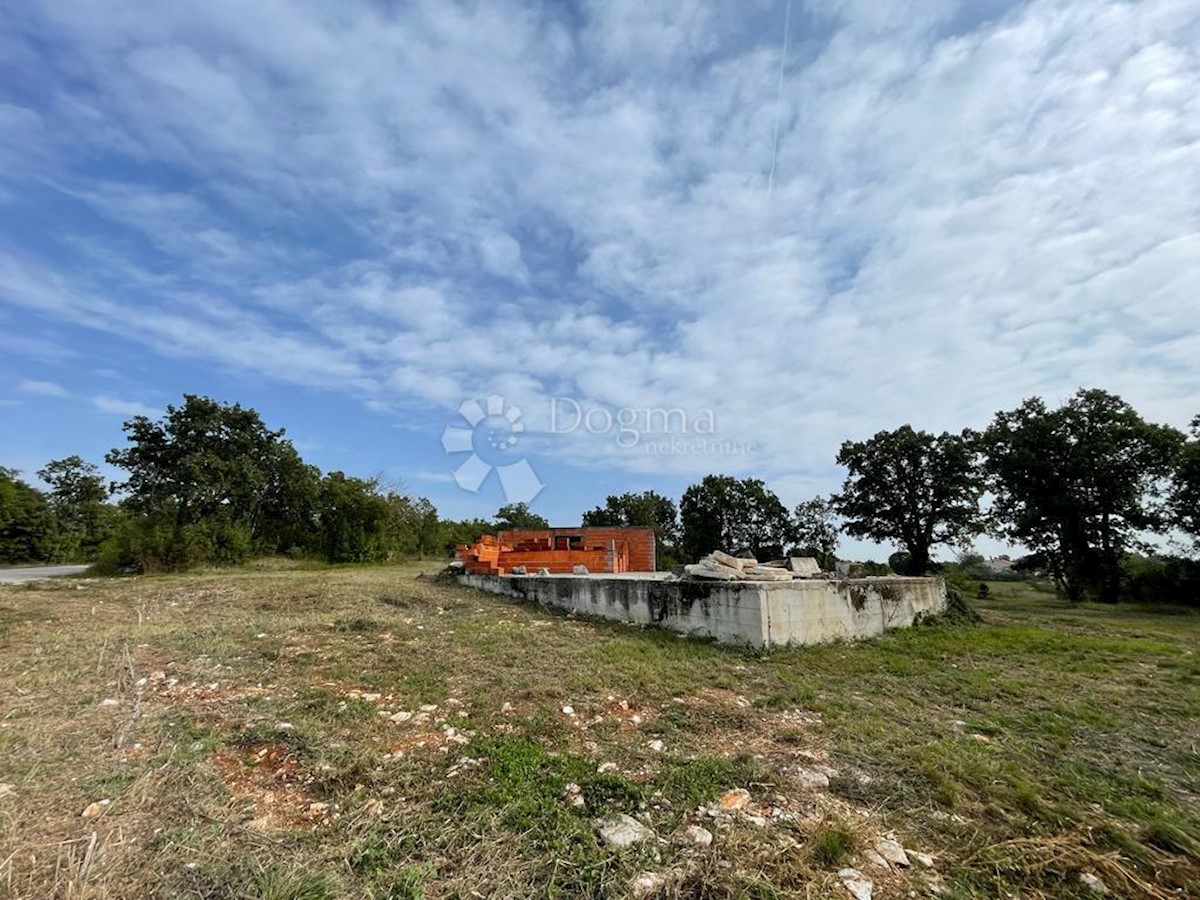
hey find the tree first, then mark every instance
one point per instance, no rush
(1078, 484)
(414, 525)
(468, 531)
(817, 530)
(1030, 564)
(27, 528)
(79, 500)
(737, 516)
(648, 508)
(1185, 489)
(212, 478)
(912, 488)
(287, 520)
(518, 515)
(353, 518)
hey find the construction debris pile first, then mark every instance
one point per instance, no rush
(719, 566)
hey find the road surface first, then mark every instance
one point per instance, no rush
(34, 573)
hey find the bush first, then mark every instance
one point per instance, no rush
(153, 544)
(958, 612)
(28, 532)
(1160, 579)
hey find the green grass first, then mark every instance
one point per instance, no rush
(1047, 741)
(831, 845)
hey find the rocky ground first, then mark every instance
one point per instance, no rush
(283, 732)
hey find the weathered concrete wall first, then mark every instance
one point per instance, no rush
(763, 614)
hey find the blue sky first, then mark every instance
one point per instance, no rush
(355, 217)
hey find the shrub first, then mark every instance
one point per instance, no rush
(1160, 579)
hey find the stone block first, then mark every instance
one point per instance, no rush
(725, 559)
(804, 565)
(699, 570)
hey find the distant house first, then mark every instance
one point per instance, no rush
(559, 550)
(999, 564)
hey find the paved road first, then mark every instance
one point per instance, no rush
(34, 573)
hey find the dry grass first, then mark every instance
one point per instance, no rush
(283, 732)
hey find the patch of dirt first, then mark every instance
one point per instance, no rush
(273, 781)
(630, 715)
(421, 740)
(213, 692)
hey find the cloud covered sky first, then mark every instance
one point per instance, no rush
(356, 216)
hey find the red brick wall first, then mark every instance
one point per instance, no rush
(600, 549)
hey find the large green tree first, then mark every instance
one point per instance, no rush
(79, 500)
(355, 520)
(213, 475)
(1079, 484)
(817, 530)
(414, 525)
(518, 515)
(1185, 490)
(911, 488)
(27, 526)
(649, 508)
(734, 515)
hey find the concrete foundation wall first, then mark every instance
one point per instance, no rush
(764, 614)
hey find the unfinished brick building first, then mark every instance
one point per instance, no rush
(559, 550)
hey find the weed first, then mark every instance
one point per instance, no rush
(691, 782)
(831, 845)
(405, 885)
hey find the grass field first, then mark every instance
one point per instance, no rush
(295, 733)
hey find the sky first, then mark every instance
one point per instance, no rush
(668, 238)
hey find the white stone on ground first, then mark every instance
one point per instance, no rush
(858, 884)
(644, 884)
(875, 859)
(1093, 883)
(623, 831)
(890, 849)
(812, 778)
(698, 835)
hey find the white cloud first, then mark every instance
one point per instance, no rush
(437, 202)
(43, 389)
(500, 254)
(124, 408)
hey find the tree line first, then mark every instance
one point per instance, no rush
(1083, 486)
(211, 484)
